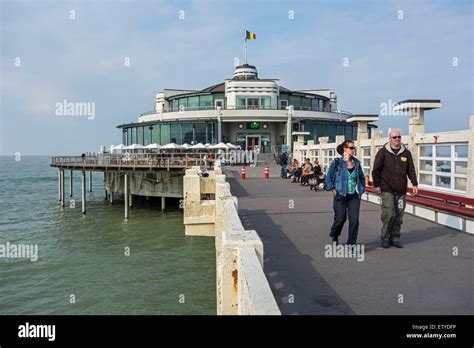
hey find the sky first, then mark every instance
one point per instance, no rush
(77, 51)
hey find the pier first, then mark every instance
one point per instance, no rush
(132, 174)
(430, 275)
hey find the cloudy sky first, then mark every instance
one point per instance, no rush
(396, 50)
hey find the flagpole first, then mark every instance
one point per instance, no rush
(246, 50)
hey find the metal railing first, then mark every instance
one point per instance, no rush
(134, 160)
(243, 107)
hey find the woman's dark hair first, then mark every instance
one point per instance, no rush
(340, 148)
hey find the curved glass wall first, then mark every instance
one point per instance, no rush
(328, 129)
(180, 133)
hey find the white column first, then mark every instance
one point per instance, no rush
(289, 128)
(416, 126)
(219, 125)
(362, 134)
(163, 202)
(90, 181)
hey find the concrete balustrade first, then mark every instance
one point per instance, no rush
(241, 285)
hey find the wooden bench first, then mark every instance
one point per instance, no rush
(444, 202)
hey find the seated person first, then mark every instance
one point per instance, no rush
(307, 171)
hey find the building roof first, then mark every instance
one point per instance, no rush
(220, 87)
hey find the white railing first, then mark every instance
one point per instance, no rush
(446, 172)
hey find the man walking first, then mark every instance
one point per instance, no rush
(393, 163)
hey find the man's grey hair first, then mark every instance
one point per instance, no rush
(393, 130)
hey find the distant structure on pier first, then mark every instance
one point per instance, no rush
(257, 114)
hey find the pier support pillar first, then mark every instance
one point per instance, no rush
(111, 196)
(130, 200)
(163, 202)
(59, 185)
(106, 196)
(62, 187)
(126, 195)
(83, 193)
(90, 181)
(71, 176)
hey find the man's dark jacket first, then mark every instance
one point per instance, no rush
(390, 171)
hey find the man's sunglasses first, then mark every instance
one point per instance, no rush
(350, 147)
(396, 137)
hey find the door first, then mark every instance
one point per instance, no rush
(251, 141)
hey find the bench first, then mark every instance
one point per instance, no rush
(444, 202)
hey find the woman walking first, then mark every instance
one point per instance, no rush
(345, 178)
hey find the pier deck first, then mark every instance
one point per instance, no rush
(121, 163)
(294, 222)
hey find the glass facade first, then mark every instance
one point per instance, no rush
(195, 102)
(326, 129)
(185, 132)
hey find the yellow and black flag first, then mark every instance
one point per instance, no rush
(249, 35)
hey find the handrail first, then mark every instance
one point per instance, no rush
(299, 108)
(134, 160)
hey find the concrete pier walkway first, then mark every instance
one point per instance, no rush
(293, 222)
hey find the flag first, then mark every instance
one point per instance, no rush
(250, 36)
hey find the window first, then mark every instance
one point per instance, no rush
(140, 135)
(265, 102)
(155, 136)
(331, 132)
(253, 103)
(182, 103)
(329, 155)
(165, 134)
(193, 103)
(303, 156)
(443, 166)
(219, 103)
(295, 101)
(366, 159)
(205, 101)
(200, 133)
(306, 103)
(146, 135)
(314, 155)
(176, 133)
(283, 104)
(187, 133)
(241, 102)
(134, 135)
(211, 133)
(175, 105)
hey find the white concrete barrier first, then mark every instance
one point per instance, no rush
(241, 285)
